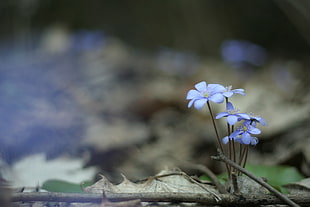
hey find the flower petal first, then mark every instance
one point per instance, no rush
(217, 98)
(191, 103)
(225, 140)
(192, 94)
(228, 94)
(199, 103)
(216, 88)
(201, 86)
(229, 106)
(254, 141)
(246, 138)
(221, 114)
(261, 120)
(239, 90)
(254, 130)
(232, 119)
(244, 116)
(235, 134)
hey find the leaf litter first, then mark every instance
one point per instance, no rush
(166, 181)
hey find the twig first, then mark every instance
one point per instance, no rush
(226, 199)
(222, 157)
(208, 172)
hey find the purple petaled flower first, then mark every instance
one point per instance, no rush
(257, 119)
(243, 134)
(240, 52)
(204, 93)
(228, 92)
(232, 114)
(246, 139)
(253, 140)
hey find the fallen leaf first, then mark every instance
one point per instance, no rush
(301, 187)
(164, 182)
(36, 169)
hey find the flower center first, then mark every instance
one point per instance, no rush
(245, 128)
(206, 95)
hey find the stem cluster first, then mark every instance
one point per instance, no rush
(232, 149)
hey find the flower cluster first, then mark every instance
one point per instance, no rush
(243, 132)
(217, 93)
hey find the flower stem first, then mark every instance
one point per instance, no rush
(215, 128)
(218, 139)
(234, 151)
(246, 156)
(228, 168)
(221, 157)
(240, 156)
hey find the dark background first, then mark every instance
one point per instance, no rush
(279, 26)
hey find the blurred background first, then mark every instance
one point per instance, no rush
(101, 85)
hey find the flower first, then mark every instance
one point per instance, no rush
(204, 93)
(232, 114)
(243, 134)
(257, 119)
(254, 141)
(228, 92)
(242, 139)
(240, 52)
(246, 139)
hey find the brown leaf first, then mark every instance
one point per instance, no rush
(165, 181)
(301, 187)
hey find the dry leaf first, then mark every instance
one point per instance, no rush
(301, 187)
(248, 186)
(164, 182)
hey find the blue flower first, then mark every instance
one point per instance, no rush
(232, 114)
(257, 119)
(205, 93)
(228, 92)
(241, 52)
(246, 139)
(243, 134)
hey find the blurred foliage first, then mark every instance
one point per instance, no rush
(277, 176)
(64, 186)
